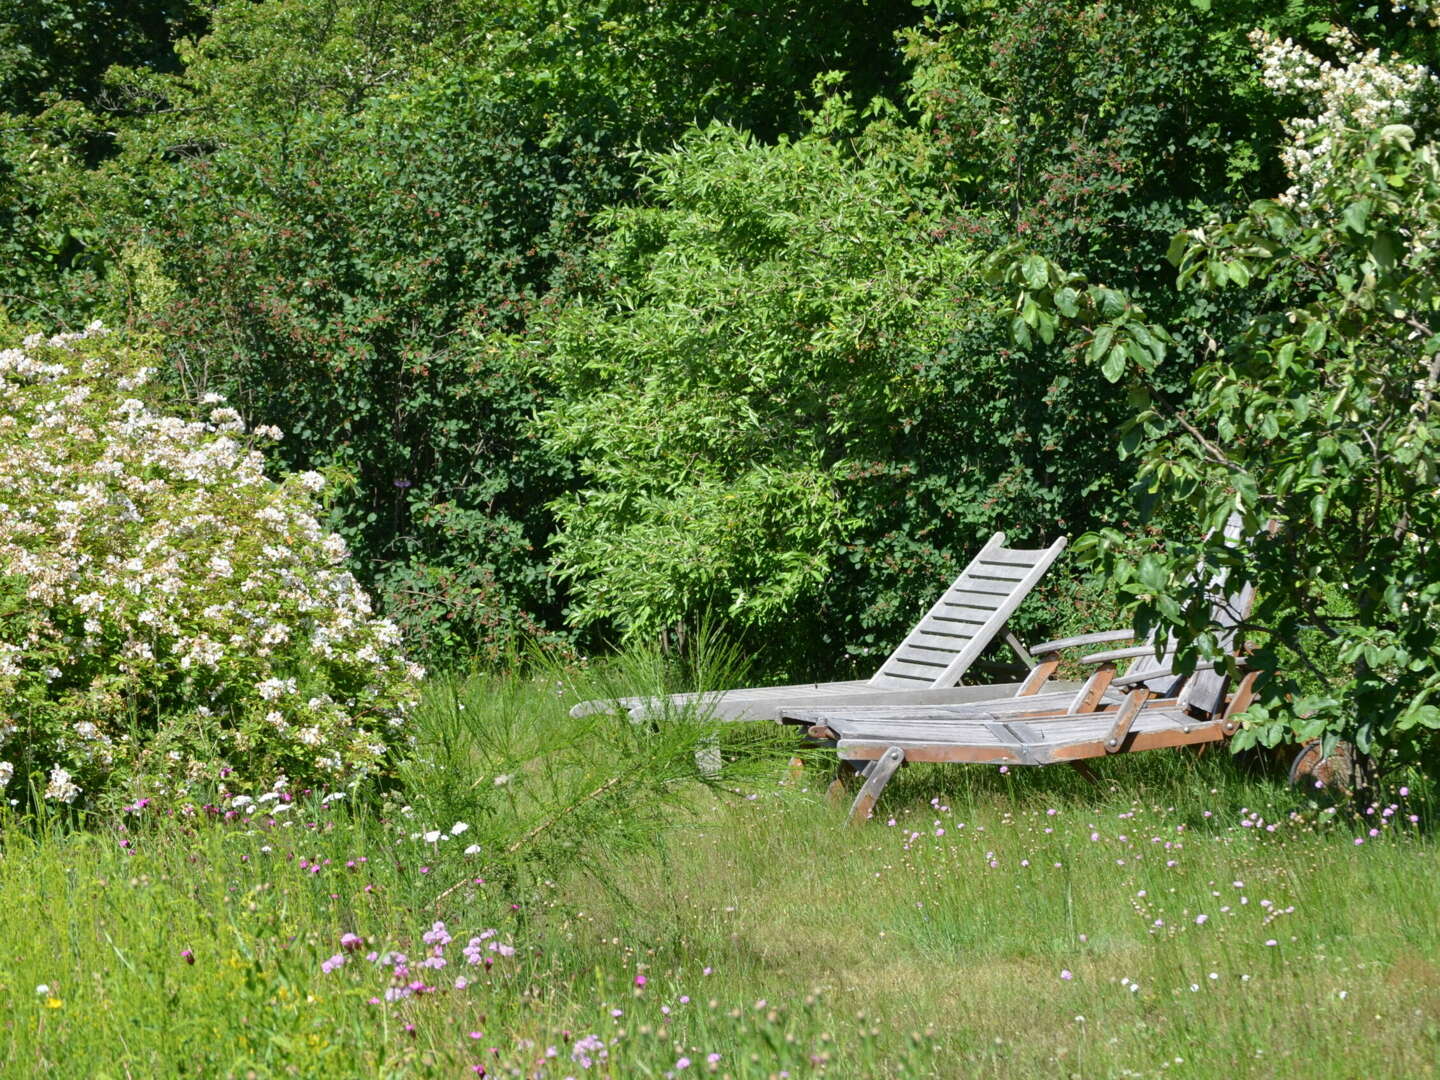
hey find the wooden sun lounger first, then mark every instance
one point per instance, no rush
(936, 654)
(1148, 707)
(933, 735)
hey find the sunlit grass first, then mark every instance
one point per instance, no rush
(739, 919)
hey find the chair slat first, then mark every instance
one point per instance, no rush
(931, 639)
(1014, 556)
(998, 572)
(975, 607)
(972, 585)
(908, 667)
(986, 602)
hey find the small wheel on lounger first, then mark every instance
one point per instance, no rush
(1344, 771)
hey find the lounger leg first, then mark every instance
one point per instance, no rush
(876, 777)
(845, 780)
(1083, 768)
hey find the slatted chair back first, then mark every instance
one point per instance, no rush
(967, 618)
(1204, 691)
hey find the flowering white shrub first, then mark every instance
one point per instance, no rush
(1359, 92)
(169, 614)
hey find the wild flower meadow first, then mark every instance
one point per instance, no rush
(1179, 920)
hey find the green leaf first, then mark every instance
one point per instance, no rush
(1114, 364)
(1034, 270)
(1384, 249)
(1176, 251)
(1066, 302)
(1247, 489)
(1110, 302)
(1101, 344)
(1319, 504)
(1356, 215)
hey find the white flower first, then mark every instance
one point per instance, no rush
(60, 788)
(458, 828)
(270, 689)
(433, 836)
(473, 849)
(7, 770)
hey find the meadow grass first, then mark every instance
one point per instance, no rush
(1181, 919)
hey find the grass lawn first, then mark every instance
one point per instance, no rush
(1180, 920)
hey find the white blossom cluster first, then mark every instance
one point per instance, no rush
(167, 612)
(1417, 12)
(1358, 92)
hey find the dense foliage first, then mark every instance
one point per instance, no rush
(168, 614)
(1317, 423)
(607, 318)
(792, 408)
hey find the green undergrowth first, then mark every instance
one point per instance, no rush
(1179, 918)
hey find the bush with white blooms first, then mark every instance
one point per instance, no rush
(169, 615)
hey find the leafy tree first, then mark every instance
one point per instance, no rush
(53, 50)
(1318, 423)
(54, 56)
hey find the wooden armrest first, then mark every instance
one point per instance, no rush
(1084, 639)
(1129, 679)
(1146, 676)
(1118, 654)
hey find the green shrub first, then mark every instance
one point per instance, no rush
(168, 614)
(795, 409)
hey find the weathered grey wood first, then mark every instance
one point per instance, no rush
(932, 639)
(935, 655)
(1160, 709)
(999, 556)
(1169, 726)
(939, 706)
(971, 592)
(1110, 656)
(1020, 651)
(875, 781)
(987, 571)
(976, 590)
(1061, 644)
(954, 621)
(909, 668)
(1124, 718)
(1207, 687)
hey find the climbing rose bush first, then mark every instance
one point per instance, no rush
(168, 613)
